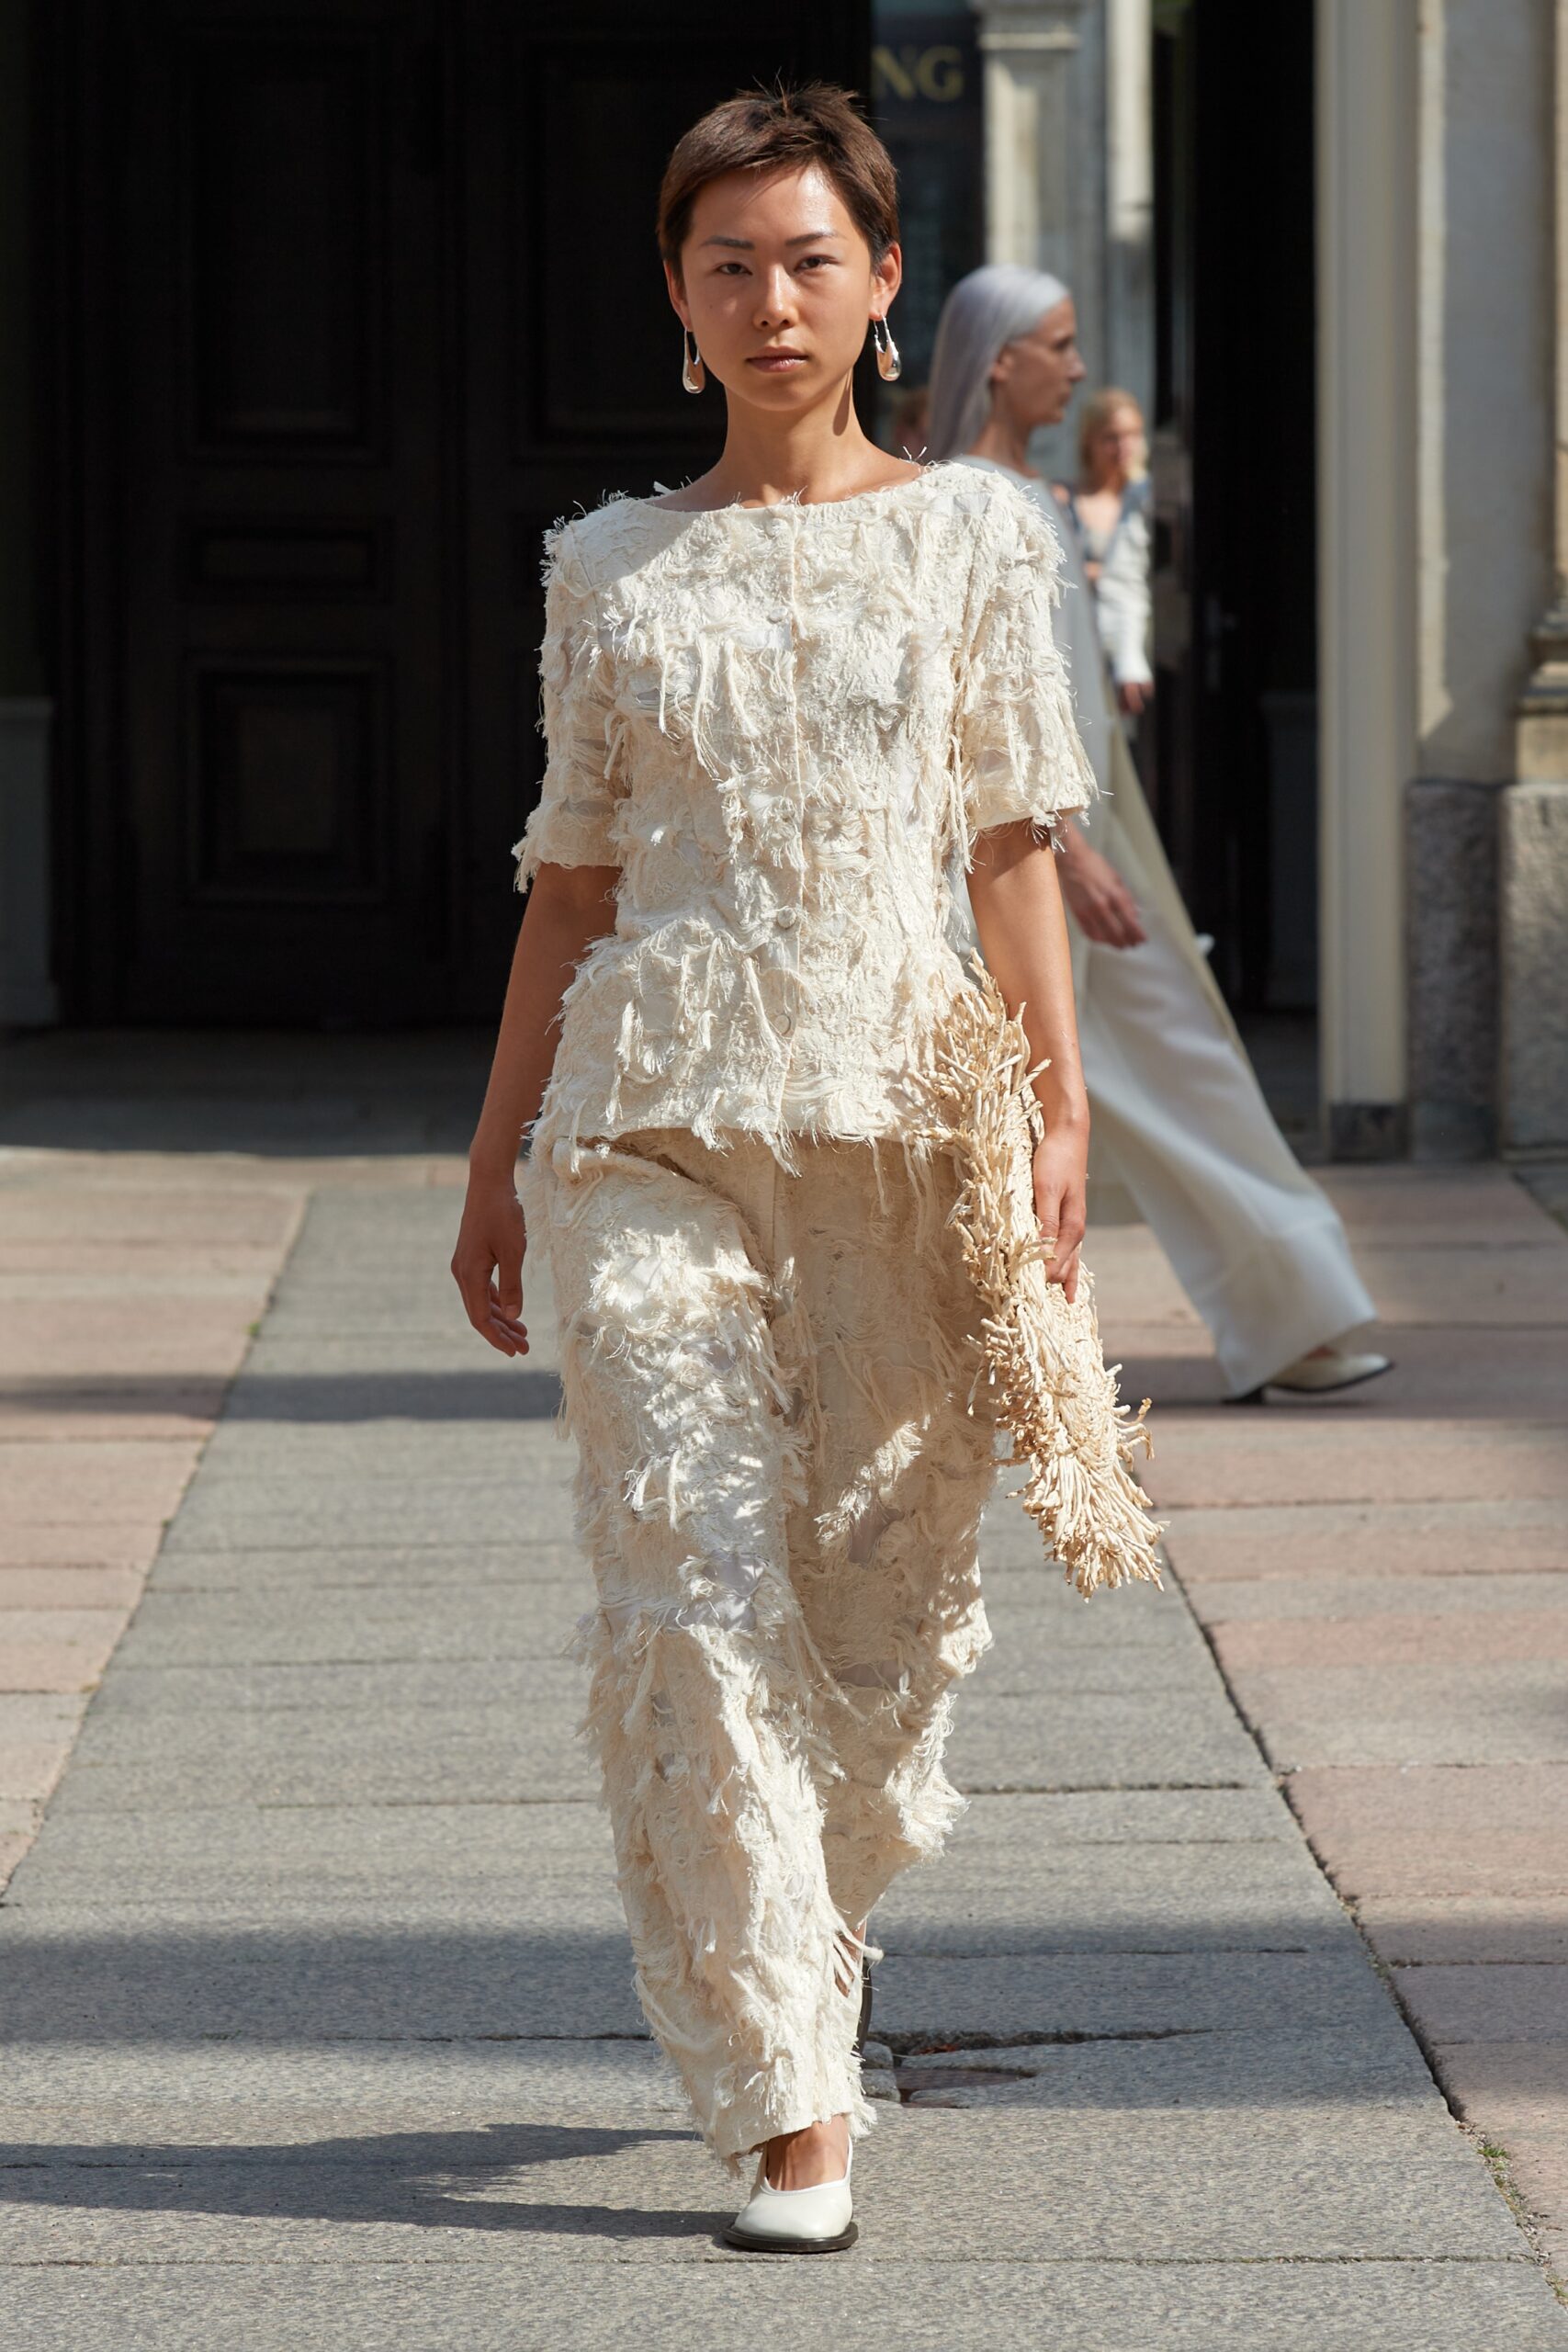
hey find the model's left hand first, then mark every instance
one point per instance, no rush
(1061, 1171)
(1134, 695)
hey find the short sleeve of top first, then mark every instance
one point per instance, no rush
(1017, 740)
(574, 822)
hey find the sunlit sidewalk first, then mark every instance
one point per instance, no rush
(319, 2018)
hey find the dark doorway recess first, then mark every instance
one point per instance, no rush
(348, 304)
(1235, 737)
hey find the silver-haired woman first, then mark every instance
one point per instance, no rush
(1179, 1117)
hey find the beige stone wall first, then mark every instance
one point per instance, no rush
(1483, 384)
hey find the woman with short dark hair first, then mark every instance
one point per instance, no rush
(784, 704)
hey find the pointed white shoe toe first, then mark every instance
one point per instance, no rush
(1319, 1376)
(795, 2221)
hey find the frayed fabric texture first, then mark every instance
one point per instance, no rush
(786, 727)
(1054, 1393)
(780, 1484)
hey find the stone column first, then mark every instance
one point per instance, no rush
(1045, 161)
(1130, 199)
(1365, 176)
(1533, 847)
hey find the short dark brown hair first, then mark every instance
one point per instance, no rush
(783, 130)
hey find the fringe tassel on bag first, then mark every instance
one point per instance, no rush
(1055, 1396)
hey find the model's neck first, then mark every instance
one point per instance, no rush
(822, 455)
(1006, 442)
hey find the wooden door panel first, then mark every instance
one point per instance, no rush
(283, 764)
(282, 209)
(287, 692)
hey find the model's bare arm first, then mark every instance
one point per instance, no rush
(568, 908)
(1016, 894)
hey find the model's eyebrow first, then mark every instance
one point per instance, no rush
(807, 237)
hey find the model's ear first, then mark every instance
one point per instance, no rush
(888, 275)
(677, 293)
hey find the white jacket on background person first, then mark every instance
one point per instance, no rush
(1121, 589)
(1179, 1118)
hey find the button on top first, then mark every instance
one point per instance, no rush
(785, 1024)
(786, 918)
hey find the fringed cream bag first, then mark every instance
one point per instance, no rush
(1055, 1396)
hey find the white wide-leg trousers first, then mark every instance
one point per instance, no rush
(780, 1484)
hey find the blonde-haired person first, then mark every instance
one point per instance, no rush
(787, 704)
(1179, 1117)
(1109, 504)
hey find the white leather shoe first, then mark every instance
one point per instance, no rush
(795, 2221)
(1314, 1375)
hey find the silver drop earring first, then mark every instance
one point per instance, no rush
(889, 367)
(693, 375)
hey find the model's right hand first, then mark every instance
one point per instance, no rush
(487, 1265)
(1103, 907)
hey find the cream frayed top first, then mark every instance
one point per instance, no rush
(786, 725)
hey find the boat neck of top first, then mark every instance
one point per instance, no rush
(794, 501)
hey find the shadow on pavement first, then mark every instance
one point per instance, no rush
(426, 2179)
(512, 1391)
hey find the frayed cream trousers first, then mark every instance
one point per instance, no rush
(780, 1484)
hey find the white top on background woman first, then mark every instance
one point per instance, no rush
(784, 705)
(1109, 506)
(1179, 1117)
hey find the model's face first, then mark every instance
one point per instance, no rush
(777, 285)
(1037, 373)
(1116, 448)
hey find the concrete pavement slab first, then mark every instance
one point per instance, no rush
(266, 1976)
(430, 1567)
(1360, 1603)
(1081, 1996)
(657, 2197)
(61, 1586)
(388, 1687)
(496, 1620)
(1166, 1898)
(1142, 1740)
(501, 1511)
(1409, 1928)
(420, 1395)
(79, 1543)
(101, 1479)
(1497, 2002)
(1516, 1282)
(140, 1759)
(1297, 1542)
(1259, 1462)
(994, 1831)
(525, 2303)
(1399, 1201)
(36, 1732)
(390, 1852)
(1483, 1636)
(1417, 1714)
(1283, 2066)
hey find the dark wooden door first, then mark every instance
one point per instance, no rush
(287, 672)
(353, 302)
(1235, 488)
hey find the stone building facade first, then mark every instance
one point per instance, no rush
(1441, 141)
(1436, 731)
